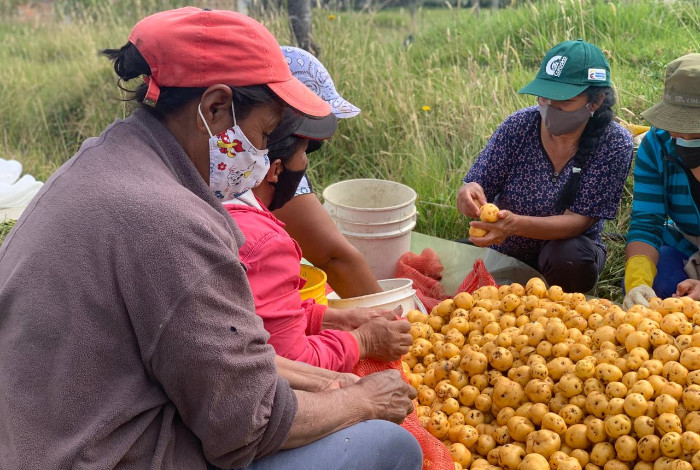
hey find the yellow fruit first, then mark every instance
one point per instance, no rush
(529, 377)
(477, 232)
(488, 213)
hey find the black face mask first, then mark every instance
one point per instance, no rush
(285, 188)
(690, 156)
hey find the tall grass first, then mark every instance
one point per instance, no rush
(55, 91)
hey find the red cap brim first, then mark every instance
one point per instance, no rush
(301, 98)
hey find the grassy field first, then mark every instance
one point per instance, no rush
(427, 108)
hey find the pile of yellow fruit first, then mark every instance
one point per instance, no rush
(530, 378)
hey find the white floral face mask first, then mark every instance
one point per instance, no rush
(235, 165)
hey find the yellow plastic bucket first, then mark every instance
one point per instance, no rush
(315, 287)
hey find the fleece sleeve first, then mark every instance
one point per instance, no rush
(193, 314)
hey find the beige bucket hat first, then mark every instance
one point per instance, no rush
(679, 110)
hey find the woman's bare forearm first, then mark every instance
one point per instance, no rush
(347, 270)
(382, 395)
(641, 248)
(302, 376)
(555, 227)
(321, 414)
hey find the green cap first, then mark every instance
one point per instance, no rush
(568, 69)
(679, 110)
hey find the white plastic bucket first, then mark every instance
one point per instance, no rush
(395, 292)
(369, 200)
(377, 217)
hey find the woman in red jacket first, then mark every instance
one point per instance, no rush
(304, 331)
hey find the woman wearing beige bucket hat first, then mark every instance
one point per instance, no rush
(128, 335)
(664, 234)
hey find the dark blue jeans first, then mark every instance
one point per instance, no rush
(669, 271)
(370, 445)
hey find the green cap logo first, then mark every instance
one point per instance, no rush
(555, 65)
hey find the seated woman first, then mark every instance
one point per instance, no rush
(664, 234)
(556, 170)
(325, 247)
(303, 331)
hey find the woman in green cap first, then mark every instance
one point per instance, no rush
(664, 234)
(556, 170)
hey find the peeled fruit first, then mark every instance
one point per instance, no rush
(488, 212)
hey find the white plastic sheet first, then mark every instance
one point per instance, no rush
(15, 190)
(458, 258)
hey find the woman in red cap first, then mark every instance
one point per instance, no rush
(129, 338)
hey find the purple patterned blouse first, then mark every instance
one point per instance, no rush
(517, 175)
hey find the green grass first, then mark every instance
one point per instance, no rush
(5, 227)
(55, 90)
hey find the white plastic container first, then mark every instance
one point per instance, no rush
(396, 292)
(377, 217)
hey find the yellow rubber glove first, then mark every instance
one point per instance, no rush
(639, 270)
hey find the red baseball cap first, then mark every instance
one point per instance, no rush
(191, 47)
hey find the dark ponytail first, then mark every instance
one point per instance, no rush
(589, 142)
(130, 64)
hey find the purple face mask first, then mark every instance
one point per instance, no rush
(560, 122)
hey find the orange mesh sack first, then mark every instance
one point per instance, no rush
(435, 454)
(478, 277)
(426, 271)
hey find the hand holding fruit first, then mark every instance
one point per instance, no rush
(387, 396)
(383, 339)
(470, 197)
(690, 288)
(494, 227)
(487, 213)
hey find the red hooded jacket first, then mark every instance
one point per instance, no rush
(273, 259)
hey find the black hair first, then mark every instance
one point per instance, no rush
(130, 64)
(284, 148)
(589, 141)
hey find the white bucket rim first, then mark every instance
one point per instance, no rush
(379, 236)
(413, 215)
(371, 209)
(404, 283)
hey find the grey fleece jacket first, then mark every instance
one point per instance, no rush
(128, 336)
